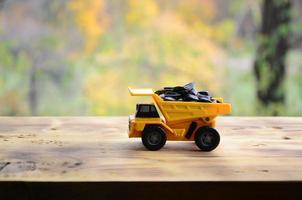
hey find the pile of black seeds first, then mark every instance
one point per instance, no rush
(185, 93)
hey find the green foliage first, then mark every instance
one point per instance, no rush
(12, 71)
(293, 85)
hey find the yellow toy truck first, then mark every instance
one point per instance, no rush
(176, 120)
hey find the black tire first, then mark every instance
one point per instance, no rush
(207, 138)
(154, 138)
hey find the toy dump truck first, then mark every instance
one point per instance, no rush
(176, 120)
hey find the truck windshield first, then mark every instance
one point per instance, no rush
(146, 111)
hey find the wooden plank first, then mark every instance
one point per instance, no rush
(98, 149)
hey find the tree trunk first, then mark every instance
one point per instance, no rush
(273, 46)
(33, 90)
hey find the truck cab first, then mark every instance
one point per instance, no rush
(145, 113)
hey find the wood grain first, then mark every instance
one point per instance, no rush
(98, 149)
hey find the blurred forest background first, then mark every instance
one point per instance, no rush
(77, 57)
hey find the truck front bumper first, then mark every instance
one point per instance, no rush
(131, 123)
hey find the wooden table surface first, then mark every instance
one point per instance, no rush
(98, 149)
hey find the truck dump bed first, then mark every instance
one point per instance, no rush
(181, 110)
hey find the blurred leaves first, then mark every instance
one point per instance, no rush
(83, 55)
(88, 15)
(141, 13)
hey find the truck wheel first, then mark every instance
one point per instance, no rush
(207, 138)
(154, 138)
